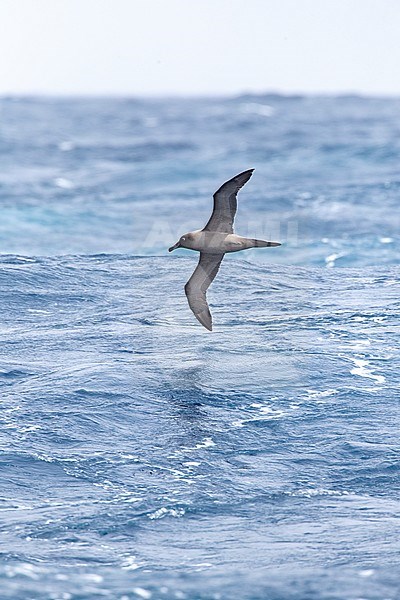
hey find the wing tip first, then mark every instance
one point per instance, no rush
(243, 177)
(238, 180)
(204, 317)
(204, 322)
(248, 171)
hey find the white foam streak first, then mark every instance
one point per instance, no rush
(361, 369)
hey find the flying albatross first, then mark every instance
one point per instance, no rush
(213, 242)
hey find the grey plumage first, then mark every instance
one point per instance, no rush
(225, 203)
(213, 241)
(196, 288)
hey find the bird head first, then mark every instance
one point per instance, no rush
(184, 241)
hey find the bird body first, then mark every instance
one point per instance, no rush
(216, 242)
(213, 242)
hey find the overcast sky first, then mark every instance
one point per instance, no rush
(156, 47)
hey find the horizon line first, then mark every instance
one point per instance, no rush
(197, 95)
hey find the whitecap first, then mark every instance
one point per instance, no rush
(142, 593)
(264, 413)
(332, 258)
(317, 394)
(311, 492)
(130, 563)
(25, 569)
(29, 428)
(204, 444)
(93, 577)
(65, 184)
(25, 259)
(163, 512)
(361, 369)
(366, 573)
(202, 566)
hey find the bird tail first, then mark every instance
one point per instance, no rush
(264, 244)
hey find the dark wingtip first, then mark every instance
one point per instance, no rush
(248, 172)
(243, 177)
(206, 325)
(204, 317)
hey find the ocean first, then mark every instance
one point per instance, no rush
(143, 457)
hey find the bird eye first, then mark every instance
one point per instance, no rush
(183, 238)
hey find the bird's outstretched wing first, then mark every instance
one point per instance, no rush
(196, 287)
(225, 203)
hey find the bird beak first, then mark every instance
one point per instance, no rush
(174, 247)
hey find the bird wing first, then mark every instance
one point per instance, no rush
(197, 286)
(225, 203)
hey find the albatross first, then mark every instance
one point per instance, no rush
(213, 242)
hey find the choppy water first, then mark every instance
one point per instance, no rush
(143, 457)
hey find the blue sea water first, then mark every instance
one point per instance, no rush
(144, 457)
